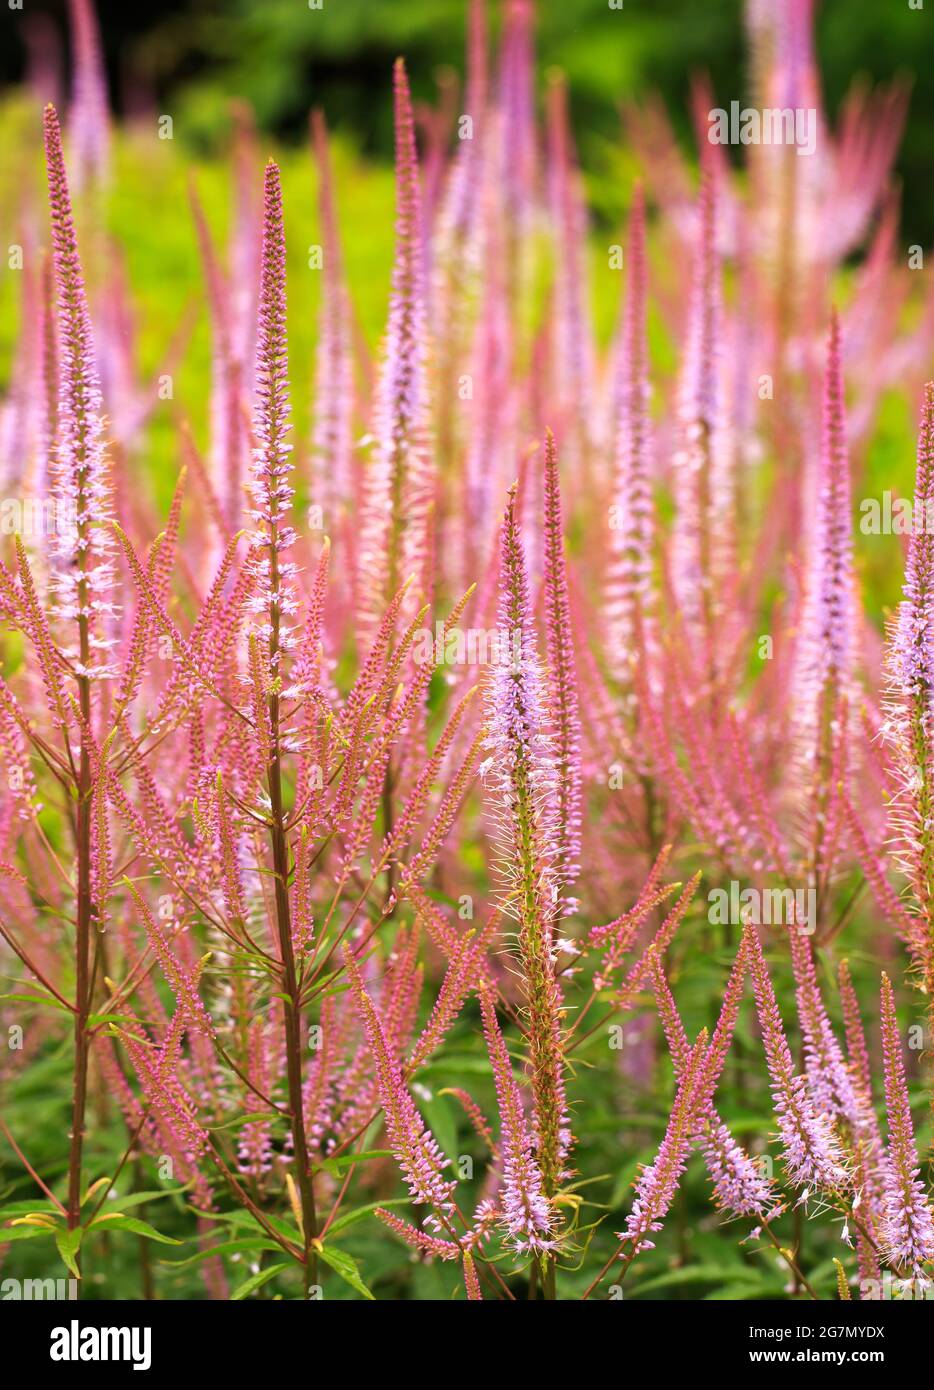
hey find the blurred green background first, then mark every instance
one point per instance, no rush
(188, 60)
(189, 56)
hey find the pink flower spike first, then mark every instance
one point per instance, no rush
(88, 115)
(909, 1232)
(909, 725)
(812, 1153)
(413, 1146)
(399, 484)
(419, 1240)
(84, 574)
(658, 1183)
(826, 643)
(628, 584)
(274, 600)
(526, 1211)
(521, 785)
(332, 459)
(739, 1187)
(565, 716)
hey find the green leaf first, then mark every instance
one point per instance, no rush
(246, 1218)
(40, 1207)
(226, 1247)
(351, 1217)
(243, 1120)
(9, 1233)
(131, 1223)
(136, 1199)
(37, 999)
(69, 1243)
(257, 1282)
(336, 1166)
(346, 1266)
(440, 1116)
(690, 1274)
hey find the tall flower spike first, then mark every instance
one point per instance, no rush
(832, 630)
(626, 602)
(83, 578)
(909, 1234)
(332, 453)
(398, 483)
(413, 1146)
(658, 1183)
(910, 726)
(520, 776)
(827, 630)
(274, 599)
(517, 107)
(573, 348)
(739, 1187)
(701, 522)
(565, 716)
(526, 1211)
(88, 122)
(812, 1153)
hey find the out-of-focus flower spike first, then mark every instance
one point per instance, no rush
(627, 598)
(228, 432)
(827, 637)
(474, 1114)
(573, 366)
(399, 487)
(565, 715)
(159, 567)
(246, 239)
(88, 114)
(332, 457)
(517, 108)
(702, 524)
(887, 900)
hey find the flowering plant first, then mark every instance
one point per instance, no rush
(389, 969)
